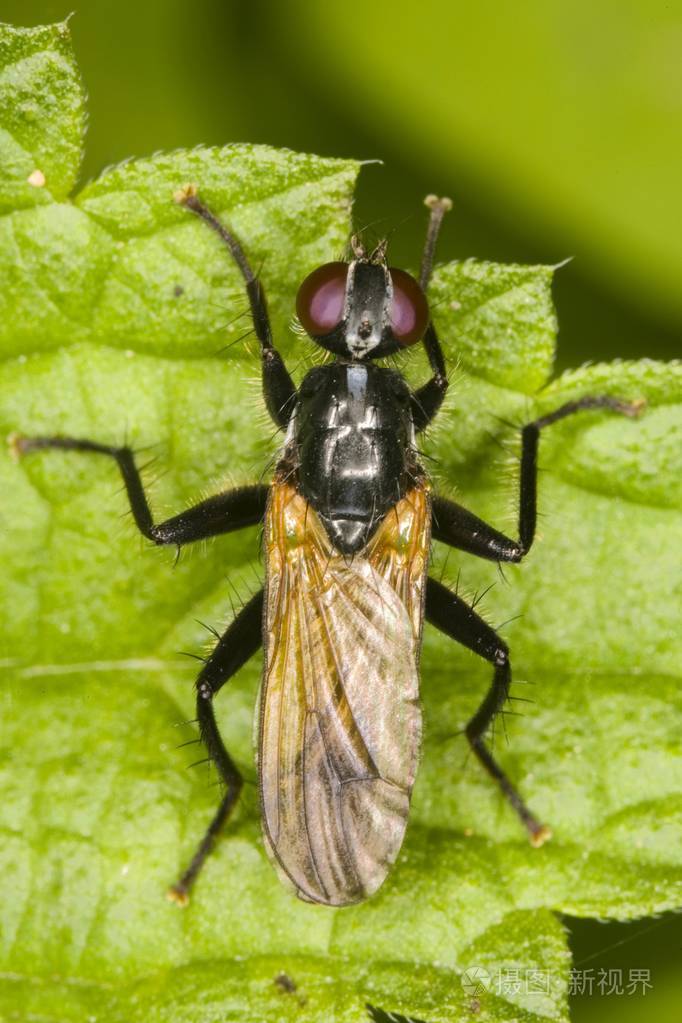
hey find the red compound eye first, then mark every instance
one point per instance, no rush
(321, 298)
(409, 308)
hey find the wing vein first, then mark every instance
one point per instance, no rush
(340, 718)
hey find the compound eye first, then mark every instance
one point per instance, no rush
(321, 299)
(409, 308)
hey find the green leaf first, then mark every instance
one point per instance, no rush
(42, 115)
(501, 320)
(110, 329)
(125, 266)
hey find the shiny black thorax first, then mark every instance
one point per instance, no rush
(352, 442)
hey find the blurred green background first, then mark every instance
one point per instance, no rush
(556, 128)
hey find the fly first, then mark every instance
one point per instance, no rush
(349, 518)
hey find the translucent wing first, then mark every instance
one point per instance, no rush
(340, 724)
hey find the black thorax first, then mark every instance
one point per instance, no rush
(352, 440)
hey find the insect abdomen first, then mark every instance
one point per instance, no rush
(340, 724)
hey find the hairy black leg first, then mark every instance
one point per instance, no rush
(456, 526)
(427, 399)
(278, 387)
(223, 513)
(457, 619)
(459, 528)
(240, 641)
(530, 436)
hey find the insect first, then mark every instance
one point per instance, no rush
(348, 522)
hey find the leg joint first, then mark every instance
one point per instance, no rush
(515, 553)
(122, 454)
(472, 732)
(204, 690)
(501, 655)
(162, 535)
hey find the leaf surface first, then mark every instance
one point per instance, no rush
(118, 303)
